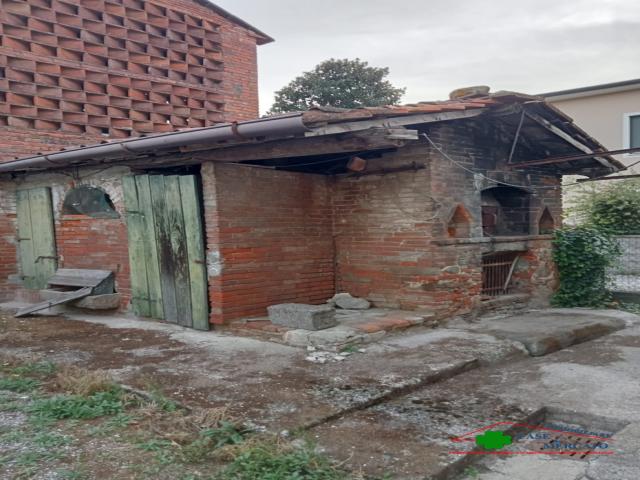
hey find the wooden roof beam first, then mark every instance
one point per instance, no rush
(568, 138)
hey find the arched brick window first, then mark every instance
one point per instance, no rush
(89, 200)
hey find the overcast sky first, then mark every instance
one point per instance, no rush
(435, 46)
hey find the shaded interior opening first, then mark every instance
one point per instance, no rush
(90, 201)
(505, 211)
(497, 272)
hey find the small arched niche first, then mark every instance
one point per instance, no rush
(546, 224)
(90, 201)
(459, 224)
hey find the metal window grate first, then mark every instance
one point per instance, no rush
(497, 270)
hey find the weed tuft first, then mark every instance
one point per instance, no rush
(277, 461)
(60, 407)
(79, 381)
(35, 369)
(18, 384)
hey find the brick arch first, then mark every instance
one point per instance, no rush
(546, 222)
(459, 222)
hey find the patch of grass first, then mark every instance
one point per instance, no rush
(162, 449)
(48, 439)
(18, 384)
(78, 407)
(471, 472)
(37, 369)
(273, 461)
(350, 349)
(212, 439)
(162, 402)
(75, 474)
(83, 382)
(119, 422)
(28, 463)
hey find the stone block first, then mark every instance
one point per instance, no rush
(108, 301)
(302, 316)
(346, 301)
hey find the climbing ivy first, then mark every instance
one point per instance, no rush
(582, 255)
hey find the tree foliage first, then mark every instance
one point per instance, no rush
(338, 83)
(582, 255)
(614, 209)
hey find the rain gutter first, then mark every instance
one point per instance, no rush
(274, 127)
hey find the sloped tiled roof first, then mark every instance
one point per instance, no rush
(333, 115)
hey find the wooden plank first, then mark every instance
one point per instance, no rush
(192, 212)
(150, 246)
(395, 121)
(136, 233)
(165, 254)
(25, 240)
(44, 241)
(66, 298)
(179, 255)
(568, 138)
(76, 277)
(563, 159)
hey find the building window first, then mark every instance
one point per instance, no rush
(632, 130)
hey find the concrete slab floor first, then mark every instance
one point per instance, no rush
(395, 396)
(597, 379)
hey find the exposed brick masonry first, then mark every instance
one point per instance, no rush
(273, 232)
(75, 73)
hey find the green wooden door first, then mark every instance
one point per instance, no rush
(166, 249)
(36, 236)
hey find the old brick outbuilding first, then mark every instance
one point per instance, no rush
(436, 205)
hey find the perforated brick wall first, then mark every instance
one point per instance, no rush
(117, 68)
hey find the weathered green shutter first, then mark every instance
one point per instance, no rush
(36, 236)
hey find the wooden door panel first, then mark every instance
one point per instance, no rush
(193, 227)
(179, 260)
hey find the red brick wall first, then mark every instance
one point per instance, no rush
(18, 143)
(8, 266)
(392, 241)
(74, 73)
(272, 231)
(85, 242)
(81, 241)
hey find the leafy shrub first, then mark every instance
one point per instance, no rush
(582, 255)
(615, 209)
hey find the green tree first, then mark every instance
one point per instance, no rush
(338, 83)
(614, 209)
